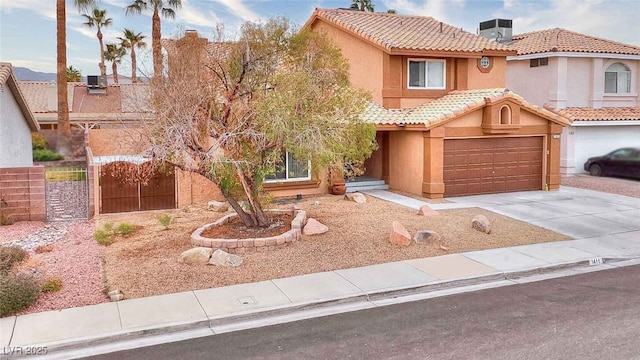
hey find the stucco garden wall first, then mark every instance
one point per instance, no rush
(15, 135)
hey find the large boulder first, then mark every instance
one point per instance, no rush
(357, 197)
(197, 255)
(314, 227)
(481, 223)
(426, 237)
(399, 235)
(218, 206)
(223, 258)
(425, 210)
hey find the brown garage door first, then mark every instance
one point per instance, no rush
(492, 165)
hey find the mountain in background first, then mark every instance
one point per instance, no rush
(24, 74)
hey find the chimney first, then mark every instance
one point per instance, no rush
(500, 30)
(191, 34)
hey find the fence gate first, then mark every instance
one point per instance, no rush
(66, 193)
(120, 195)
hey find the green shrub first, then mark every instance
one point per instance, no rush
(124, 228)
(9, 256)
(46, 155)
(39, 142)
(165, 220)
(108, 227)
(17, 293)
(102, 237)
(5, 219)
(52, 285)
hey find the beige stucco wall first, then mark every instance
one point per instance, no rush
(195, 188)
(579, 82)
(495, 78)
(15, 135)
(365, 61)
(406, 161)
(115, 141)
(533, 84)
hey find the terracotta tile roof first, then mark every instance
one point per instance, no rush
(398, 33)
(8, 79)
(602, 114)
(561, 40)
(37, 95)
(451, 106)
(94, 103)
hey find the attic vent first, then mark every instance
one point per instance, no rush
(97, 84)
(500, 30)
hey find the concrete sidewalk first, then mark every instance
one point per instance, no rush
(614, 241)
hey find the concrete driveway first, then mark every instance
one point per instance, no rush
(579, 213)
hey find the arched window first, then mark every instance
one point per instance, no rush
(505, 115)
(617, 79)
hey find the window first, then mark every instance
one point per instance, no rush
(290, 169)
(505, 115)
(623, 154)
(617, 79)
(539, 62)
(427, 74)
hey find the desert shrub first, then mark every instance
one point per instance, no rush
(52, 285)
(5, 219)
(44, 249)
(46, 155)
(108, 227)
(9, 256)
(39, 142)
(103, 237)
(165, 220)
(16, 293)
(124, 228)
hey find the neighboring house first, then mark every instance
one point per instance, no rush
(446, 124)
(594, 82)
(16, 122)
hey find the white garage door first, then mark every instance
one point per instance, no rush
(600, 140)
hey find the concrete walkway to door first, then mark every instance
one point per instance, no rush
(579, 213)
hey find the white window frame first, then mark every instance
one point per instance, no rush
(426, 72)
(628, 84)
(286, 171)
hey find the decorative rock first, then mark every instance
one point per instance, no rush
(481, 223)
(113, 292)
(244, 205)
(116, 297)
(314, 227)
(357, 197)
(426, 237)
(425, 210)
(399, 235)
(444, 248)
(198, 255)
(217, 206)
(222, 258)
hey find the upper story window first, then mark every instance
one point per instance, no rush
(290, 169)
(539, 62)
(427, 74)
(617, 79)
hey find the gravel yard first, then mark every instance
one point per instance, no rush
(145, 263)
(618, 186)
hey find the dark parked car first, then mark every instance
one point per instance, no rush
(623, 162)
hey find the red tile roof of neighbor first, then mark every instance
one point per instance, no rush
(402, 34)
(561, 40)
(451, 106)
(602, 114)
(8, 78)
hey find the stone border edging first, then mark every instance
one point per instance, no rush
(242, 246)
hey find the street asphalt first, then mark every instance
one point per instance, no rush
(588, 316)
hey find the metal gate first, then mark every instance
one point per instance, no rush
(66, 193)
(119, 194)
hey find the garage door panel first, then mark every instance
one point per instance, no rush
(491, 165)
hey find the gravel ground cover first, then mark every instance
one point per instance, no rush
(618, 186)
(19, 230)
(145, 263)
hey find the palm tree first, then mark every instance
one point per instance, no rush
(131, 41)
(362, 5)
(115, 53)
(167, 8)
(98, 19)
(64, 127)
(73, 74)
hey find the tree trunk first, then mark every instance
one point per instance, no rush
(133, 64)
(155, 44)
(64, 127)
(246, 218)
(256, 210)
(103, 67)
(114, 70)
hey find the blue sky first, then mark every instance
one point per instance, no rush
(28, 29)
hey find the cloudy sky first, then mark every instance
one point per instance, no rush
(28, 28)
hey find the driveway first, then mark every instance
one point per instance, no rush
(579, 213)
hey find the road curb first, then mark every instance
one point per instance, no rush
(349, 303)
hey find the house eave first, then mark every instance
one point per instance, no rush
(573, 55)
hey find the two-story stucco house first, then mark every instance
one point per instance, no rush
(446, 124)
(16, 122)
(592, 81)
